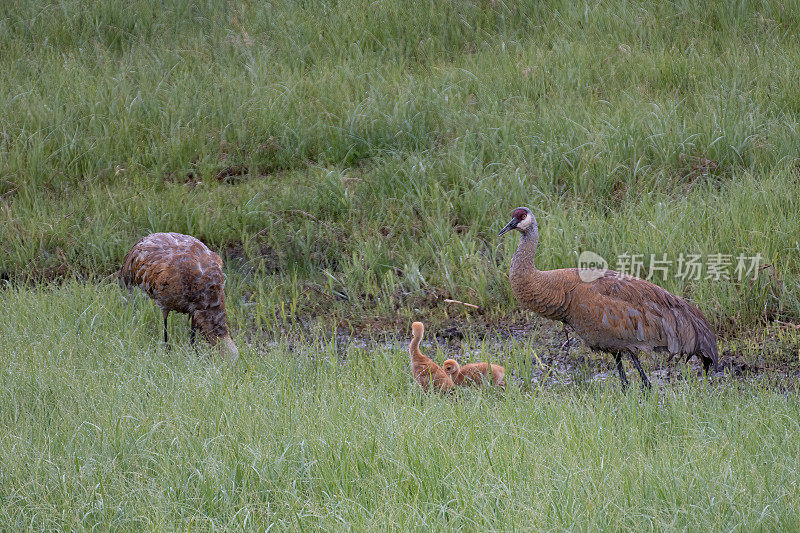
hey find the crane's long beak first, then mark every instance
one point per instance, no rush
(511, 225)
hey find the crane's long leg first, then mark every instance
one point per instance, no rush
(565, 344)
(622, 376)
(192, 334)
(638, 365)
(166, 340)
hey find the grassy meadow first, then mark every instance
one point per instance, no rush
(353, 162)
(104, 429)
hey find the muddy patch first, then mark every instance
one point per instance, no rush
(541, 353)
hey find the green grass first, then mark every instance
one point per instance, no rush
(353, 162)
(372, 152)
(102, 428)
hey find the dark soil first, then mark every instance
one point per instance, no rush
(770, 356)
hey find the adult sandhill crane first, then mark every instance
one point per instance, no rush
(611, 312)
(181, 274)
(474, 373)
(425, 371)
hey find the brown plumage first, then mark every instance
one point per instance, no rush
(611, 312)
(181, 274)
(474, 374)
(427, 373)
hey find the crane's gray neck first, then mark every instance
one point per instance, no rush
(526, 251)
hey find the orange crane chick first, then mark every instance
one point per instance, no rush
(474, 374)
(426, 372)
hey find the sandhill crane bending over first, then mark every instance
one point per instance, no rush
(181, 274)
(473, 373)
(425, 371)
(611, 312)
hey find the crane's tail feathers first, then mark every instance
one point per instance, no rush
(696, 337)
(707, 345)
(708, 348)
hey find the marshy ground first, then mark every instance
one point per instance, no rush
(543, 353)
